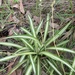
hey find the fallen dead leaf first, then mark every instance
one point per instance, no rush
(21, 7)
(11, 30)
(28, 13)
(10, 67)
(0, 2)
(54, 25)
(11, 2)
(74, 35)
(19, 71)
(3, 39)
(67, 34)
(43, 73)
(0, 73)
(10, 18)
(16, 20)
(36, 19)
(73, 9)
(16, 6)
(73, 48)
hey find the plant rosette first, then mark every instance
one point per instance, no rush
(35, 54)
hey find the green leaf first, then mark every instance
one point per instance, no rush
(48, 54)
(23, 48)
(23, 36)
(10, 44)
(73, 65)
(32, 26)
(15, 55)
(25, 53)
(38, 67)
(46, 28)
(52, 65)
(50, 40)
(26, 37)
(26, 31)
(61, 49)
(39, 27)
(22, 58)
(46, 67)
(28, 44)
(33, 64)
(63, 42)
(7, 58)
(29, 70)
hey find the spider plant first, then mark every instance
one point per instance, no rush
(35, 55)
